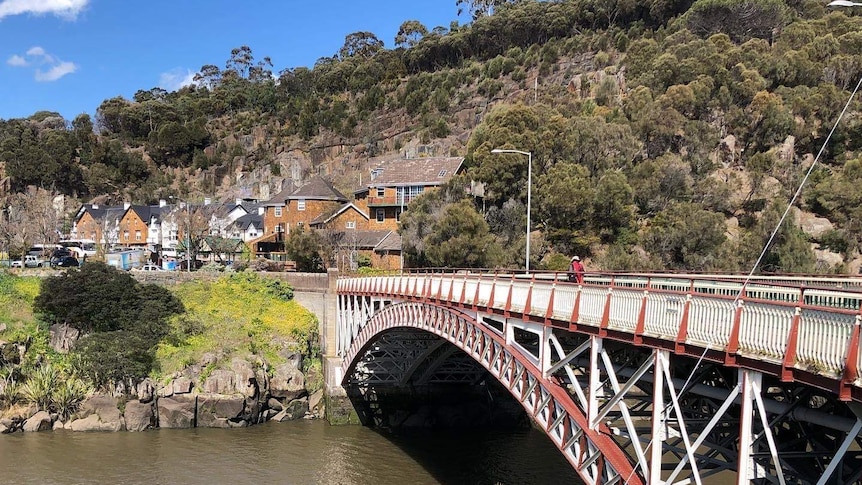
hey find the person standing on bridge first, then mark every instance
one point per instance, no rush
(577, 270)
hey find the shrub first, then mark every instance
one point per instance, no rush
(41, 386)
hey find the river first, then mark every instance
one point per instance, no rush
(299, 452)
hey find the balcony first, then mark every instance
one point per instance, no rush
(391, 201)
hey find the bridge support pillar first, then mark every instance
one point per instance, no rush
(339, 409)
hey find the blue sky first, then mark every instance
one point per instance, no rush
(70, 55)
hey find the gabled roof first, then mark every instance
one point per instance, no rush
(100, 212)
(392, 242)
(415, 171)
(364, 239)
(279, 198)
(249, 219)
(318, 189)
(326, 218)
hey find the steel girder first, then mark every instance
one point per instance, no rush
(620, 413)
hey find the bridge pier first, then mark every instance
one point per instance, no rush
(339, 409)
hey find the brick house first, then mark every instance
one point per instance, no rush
(395, 183)
(286, 212)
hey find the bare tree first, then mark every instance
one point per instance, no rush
(28, 218)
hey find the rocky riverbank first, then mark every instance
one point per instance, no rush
(245, 394)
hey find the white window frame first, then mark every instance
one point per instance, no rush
(300, 204)
(381, 192)
(350, 225)
(278, 212)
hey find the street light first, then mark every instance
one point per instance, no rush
(188, 235)
(529, 191)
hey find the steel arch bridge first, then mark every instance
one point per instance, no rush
(636, 378)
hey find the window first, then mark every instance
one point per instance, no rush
(300, 205)
(126, 235)
(350, 225)
(442, 173)
(137, 235)
(381, 214)
(381, 191)
(278, 212)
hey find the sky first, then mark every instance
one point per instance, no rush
(69, 56)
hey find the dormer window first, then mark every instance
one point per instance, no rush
(381, 191)
(442, 173)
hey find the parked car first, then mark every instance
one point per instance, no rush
(66, 262)
(33, 261)
(16, 264)
(148, 267)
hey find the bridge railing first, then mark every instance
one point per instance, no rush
(804, 327)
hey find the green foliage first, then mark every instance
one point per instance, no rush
(304, 247)
(213, 322)
(685, 236)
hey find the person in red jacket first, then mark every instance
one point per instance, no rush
(577, 270)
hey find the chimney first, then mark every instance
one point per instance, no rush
(238, 201)
(95, 206)
(207, 201)
(126, 205)
(162, 202)
(260, 210)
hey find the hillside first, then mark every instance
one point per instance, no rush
(662, 136)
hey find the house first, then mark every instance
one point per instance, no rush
(136, 224)
(381, 249)
(98, 223)
(286, 212)
(396, 183)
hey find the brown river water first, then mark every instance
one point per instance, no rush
(300, 452)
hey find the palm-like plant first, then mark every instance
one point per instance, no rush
(41, 386)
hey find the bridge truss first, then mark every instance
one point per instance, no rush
(622, 407)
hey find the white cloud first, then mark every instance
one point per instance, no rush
(17, 61)
(36, 51)
(176, 78)
(56, 72)
(48, 67)
(68, 9)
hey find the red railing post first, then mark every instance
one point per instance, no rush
(682, 333)
(733, 339)
(606, 314)
(549, 312)
(528, 304)
(509, 298)
(851, 365)
(789, 361)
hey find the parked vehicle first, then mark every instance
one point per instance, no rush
(126, 260)
(32, 261)
(16, 264)
(148, 267)
(66, 262)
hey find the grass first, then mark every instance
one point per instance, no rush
(16, 299)
(240, 315)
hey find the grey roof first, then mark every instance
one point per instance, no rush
(328, 216)
(252, 218)
(376, 240)
(415, 171)
(392, 242)
(318, 189)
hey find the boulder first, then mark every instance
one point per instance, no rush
(146, 390)
(274, 404)
(295, 409)
(40, 421)
(63, 337)
(811, 224)
(177, 412)
(244, 379)
(287, 382)
(316, 403)
(182, 385)
(214, 411)
(139, 415)
(220, 382)
(98, 413)
(57, 425)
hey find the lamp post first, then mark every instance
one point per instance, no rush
(529, 191)
(188, 241)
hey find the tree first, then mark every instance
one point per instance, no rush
(360, 44)
(304, 247)
(410, 33)
(121, 319)
(740, 19)
(686, 237)
(460, 238)
(28, 218)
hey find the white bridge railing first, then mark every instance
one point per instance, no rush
(800, 324)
